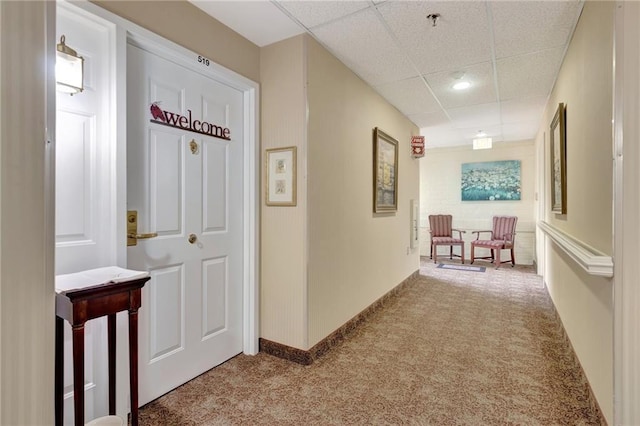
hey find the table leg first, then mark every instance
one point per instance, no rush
(133, 365)
(78, 373)
(111, 338)
(59, 373)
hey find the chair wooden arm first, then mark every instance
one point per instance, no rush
(479, 232)
(512, 234)
(459, 231)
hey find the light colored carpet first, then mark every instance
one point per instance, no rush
(454, 348)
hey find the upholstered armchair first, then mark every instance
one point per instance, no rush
(501, 237)
(442, 235)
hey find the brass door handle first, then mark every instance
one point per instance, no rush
(192, 238)
(142, 236)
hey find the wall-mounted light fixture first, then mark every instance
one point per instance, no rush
(481, 141)
(69, 69)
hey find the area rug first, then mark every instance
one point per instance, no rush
(462, 267)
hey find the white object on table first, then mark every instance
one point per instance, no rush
(91, 277)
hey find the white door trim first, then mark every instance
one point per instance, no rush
(626, 134)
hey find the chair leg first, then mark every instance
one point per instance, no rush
(435, 253)
(450, 252)
(493, 257)
(462, 253)
(431, 251)
(513, 259)
(472, 253)
(497, 258)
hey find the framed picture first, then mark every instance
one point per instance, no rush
(385, 172)
(491, 181)
(557, 137)
(280, 166)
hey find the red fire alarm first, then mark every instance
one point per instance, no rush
(417, 146)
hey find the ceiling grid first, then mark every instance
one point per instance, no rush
(510, 52)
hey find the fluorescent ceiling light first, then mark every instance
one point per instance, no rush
(461, 85)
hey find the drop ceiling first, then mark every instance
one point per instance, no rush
(510, 52)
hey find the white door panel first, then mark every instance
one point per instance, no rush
(84, 225)
(181, 183)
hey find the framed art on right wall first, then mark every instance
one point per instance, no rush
(557, 138)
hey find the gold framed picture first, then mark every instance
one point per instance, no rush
(280, 179)
(557, 138)
(385, 172)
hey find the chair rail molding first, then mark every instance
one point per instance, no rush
(591, 260)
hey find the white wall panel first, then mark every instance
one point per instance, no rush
(84, 142)
(215, 282)
(166, 311)
(172, 96)
(215, 185)
(75, 183)
(166, 190)
(215, 112)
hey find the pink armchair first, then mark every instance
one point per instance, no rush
(502, 237)
(442, 235)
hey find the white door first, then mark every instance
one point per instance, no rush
(184, 183)
(84, 224)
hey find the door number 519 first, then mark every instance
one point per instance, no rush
(203, 60)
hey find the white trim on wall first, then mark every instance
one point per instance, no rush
(590, 259)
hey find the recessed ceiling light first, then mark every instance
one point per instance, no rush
(461, 85)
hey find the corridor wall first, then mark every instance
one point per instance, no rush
(584, 302)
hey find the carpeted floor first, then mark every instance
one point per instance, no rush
(454, 348)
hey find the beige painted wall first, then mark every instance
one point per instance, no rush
(283, 229)
(185, 24)
(355, 256)
(585, 302)
(440, 176)
(26, 243)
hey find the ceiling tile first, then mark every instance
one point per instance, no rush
(517, 110)
(460, 38)
(523, 130)
(494, 132)
(482, 88)
(373, 55)
(529, 26)
(313, 13)
(439, 136)
(260, 22)
(390, 44)
(530, 75)
(432, 119)
(410, 96)
(478, 116)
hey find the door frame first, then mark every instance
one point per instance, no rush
(128, 32)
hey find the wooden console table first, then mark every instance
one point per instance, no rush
(79, 305)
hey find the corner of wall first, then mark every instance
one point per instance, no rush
(284, 241)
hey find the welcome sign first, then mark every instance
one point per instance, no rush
(172, 119)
